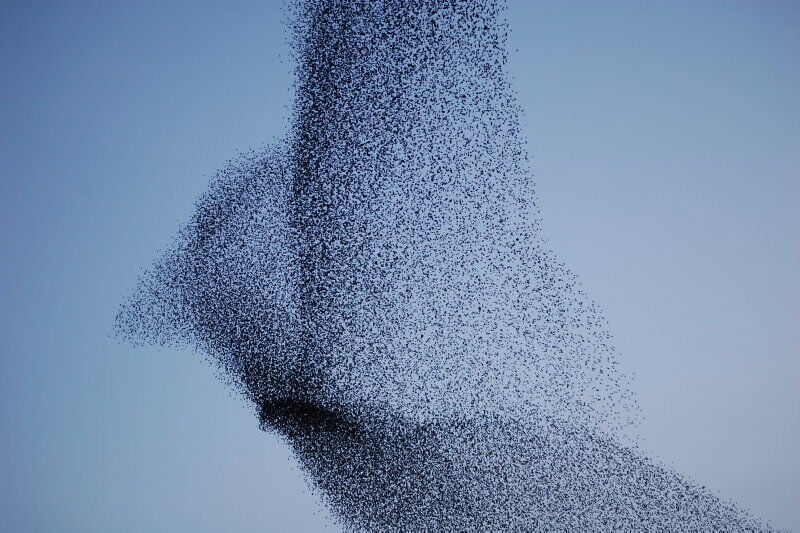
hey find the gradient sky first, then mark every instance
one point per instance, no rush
(665, 141)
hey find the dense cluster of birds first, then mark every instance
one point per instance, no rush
(378, 288)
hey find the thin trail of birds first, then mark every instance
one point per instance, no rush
(377, 286)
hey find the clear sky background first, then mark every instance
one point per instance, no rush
(665, 139)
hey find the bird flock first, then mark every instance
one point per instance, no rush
(378, 288)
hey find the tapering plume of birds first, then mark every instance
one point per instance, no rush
(378, 288)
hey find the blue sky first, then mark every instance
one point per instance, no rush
(665, 142)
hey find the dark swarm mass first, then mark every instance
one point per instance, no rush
(378, 287)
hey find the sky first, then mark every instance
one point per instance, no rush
(665, 142)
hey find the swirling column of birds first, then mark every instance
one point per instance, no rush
(378, 288)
